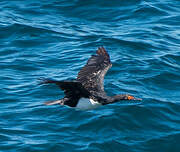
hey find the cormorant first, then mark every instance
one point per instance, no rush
(87, 90)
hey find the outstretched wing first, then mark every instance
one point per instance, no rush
(92, 74)
(71, 88)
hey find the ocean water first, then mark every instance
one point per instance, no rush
(54, 39)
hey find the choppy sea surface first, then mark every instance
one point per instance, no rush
(54, 39)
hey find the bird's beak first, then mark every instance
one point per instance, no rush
(139, 99)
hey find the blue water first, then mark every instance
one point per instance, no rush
(54, 39)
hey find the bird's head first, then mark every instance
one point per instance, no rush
(125, 97)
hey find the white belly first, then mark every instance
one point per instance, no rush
(87, 104)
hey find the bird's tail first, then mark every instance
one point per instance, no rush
(48, 103)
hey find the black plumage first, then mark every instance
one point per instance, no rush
(92, 74)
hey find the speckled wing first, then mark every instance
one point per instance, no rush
(92, 74)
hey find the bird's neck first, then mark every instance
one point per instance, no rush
(116, 98)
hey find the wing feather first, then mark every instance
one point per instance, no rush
(71, 88)
(92, 74)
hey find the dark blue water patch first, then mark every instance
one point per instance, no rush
(54, 39)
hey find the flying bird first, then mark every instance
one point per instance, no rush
(87, 90)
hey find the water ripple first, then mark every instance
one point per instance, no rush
(54, 39)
